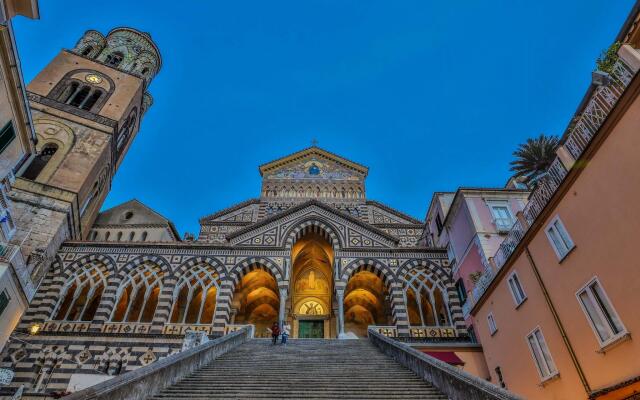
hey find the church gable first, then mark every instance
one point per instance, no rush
(313, 164)
(380, 214)
(132, 213)
(274, 232)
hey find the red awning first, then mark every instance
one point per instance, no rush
(447, 356)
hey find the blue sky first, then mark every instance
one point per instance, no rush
(430, 95)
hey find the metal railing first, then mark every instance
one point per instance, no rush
(581, 132)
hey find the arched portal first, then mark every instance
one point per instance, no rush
(256, 301)
(312, 287)
(365, 303)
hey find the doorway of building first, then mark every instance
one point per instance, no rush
(312, 287)
(311, 329)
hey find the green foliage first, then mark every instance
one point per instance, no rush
(608, 58)
(534, 157)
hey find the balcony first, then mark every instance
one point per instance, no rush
(580, 133)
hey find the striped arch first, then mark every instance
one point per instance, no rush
(45, 298)
(455, 307)
(315, 225)
(165, 304)
(58, 281)
(366, 264)
(111, 293)
(252, 263)
(225, 297)
(398, 308)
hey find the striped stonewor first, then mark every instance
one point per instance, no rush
(445, 278)
(223, 310)
(315, 225)
(115, 286)
(398, 308)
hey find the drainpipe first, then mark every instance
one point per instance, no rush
(556, 317)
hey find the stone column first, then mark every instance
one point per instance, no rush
(283, 303)
(340, 299)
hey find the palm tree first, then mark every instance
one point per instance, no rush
(534, 157)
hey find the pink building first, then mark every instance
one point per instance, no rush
(559, 319)
(471, 224)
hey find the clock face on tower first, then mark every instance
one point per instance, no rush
(93, 78)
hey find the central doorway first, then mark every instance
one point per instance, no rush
(310, 329)
(311, 287)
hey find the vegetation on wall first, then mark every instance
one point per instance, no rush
(608, 58)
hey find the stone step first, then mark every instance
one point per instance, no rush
(302, 369)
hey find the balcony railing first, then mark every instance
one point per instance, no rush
(582, 131)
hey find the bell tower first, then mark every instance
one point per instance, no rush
(87, 106)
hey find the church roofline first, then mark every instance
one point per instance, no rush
(227, 210)
(282, 160)
(394, 211)
(172, 227)
(312, 202)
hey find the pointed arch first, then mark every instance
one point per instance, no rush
(313, 225)
(195, 295)
(82, 292)
(417, 273)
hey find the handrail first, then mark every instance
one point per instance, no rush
(454, 383)
(146, 381)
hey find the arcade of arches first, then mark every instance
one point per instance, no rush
(256, 301)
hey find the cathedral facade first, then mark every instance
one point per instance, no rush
(123, 289)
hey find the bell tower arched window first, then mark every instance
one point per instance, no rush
(87, 50)
(79, 96)
(114, 59)
(40, 161)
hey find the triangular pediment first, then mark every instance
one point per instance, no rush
(132, 212)
(312, 164)
(274, 231)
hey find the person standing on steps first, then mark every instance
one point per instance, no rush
(275, 332)
(285, 333)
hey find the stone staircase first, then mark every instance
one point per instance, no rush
(303, 369)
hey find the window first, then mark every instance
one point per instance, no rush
(87, 50)
(4, 301)
(501, 216)
(541, 355)
(559, 238)
(6, 136)
(119, 237)
(462, 292)
(79, 97)
(144, 236)
(602, 317)
(40, 161)
(138, 294)
(82, 294)
(132, 235)
(439, 224)
(516, 288)
(194, 299)
(91, 100)
(106, 236)
(492, 324)
(425, 299)
(114, 59)
(450, 253)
